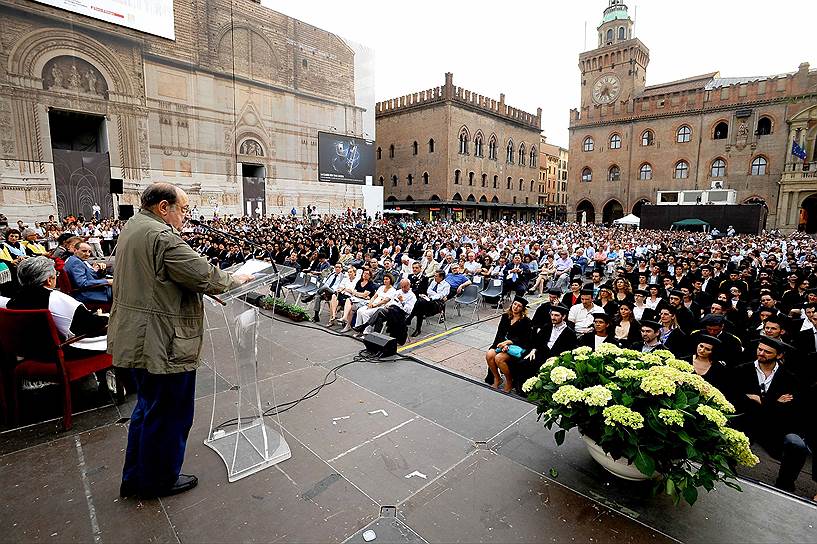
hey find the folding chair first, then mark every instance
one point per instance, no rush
(309, 289)
(300, 281)
(492, 290)
(468, 297)
(31, 337)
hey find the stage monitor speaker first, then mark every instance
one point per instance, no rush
(381, 344)
(254, 298)
(116, 186)
(125, 211)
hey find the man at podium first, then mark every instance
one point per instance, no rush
(156, 330)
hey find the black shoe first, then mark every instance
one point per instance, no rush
(127, 489)
(416, 333)
(185, 482)
(316, 318)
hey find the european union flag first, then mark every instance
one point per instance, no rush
(798, 151)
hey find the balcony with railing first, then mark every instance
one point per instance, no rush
(800, 172)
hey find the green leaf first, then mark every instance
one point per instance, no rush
(626, 399)
(691, 494)
(685, 437)
(553, 472)
(733, 485)
(560, 437)
(644, 463)
(670, 487)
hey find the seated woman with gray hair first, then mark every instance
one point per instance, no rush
(38, 280)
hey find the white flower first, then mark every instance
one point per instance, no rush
(560, 375)
(530, 383)
(597, 395)
(549, 363)
(608, 349)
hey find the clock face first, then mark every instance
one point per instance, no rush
(606, 89)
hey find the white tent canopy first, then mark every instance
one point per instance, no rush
(399, 212)
(629, 219)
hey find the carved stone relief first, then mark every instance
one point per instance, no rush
(67, 73)
(251, 147)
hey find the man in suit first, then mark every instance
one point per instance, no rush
(89, 279)
(804, 367)
(541, 318)
(431, 302)
(327, 289)
(418, 280)
(768, 397)
(683, 315)
(708, 285)
(515, 276)
(650, 340)
(548, 341)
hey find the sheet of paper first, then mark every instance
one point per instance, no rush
(252, 266)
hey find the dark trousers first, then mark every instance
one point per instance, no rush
(793, 457)
(424, 308)
(159, 426)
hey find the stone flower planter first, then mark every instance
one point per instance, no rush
(617, 467)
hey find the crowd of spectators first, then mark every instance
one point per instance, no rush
(742, 308)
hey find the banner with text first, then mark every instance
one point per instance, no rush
(149, 16)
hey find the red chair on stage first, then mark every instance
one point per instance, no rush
(30, 338)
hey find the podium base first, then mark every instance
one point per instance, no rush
(250, 449)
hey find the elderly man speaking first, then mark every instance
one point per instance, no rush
(156, 330)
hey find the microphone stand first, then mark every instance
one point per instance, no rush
(234, 238)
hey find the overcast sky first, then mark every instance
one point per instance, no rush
(530, 50)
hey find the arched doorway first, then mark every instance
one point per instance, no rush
(808, 215)
(764, 212)
(612, 210)
(638, 205)
(585, 212)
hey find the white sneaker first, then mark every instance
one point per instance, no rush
(347, 328)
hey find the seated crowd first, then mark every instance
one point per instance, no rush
(741, 309)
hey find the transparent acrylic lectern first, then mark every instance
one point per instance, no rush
(238, 344)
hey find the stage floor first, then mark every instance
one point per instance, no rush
(407, 449)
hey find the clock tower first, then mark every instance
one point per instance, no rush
(616, 70)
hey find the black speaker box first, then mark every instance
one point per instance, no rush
(254, 298)
(125, 211)
(116, 186)
(380, 343)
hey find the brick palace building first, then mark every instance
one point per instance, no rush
(629, 140)
(451, 153)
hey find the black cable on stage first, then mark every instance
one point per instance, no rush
(361, 357)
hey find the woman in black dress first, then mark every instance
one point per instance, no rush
(514, 330)
(713, 371)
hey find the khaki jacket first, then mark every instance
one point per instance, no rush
(157, 315)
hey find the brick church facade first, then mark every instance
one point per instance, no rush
(230, 110)
(629, 140)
